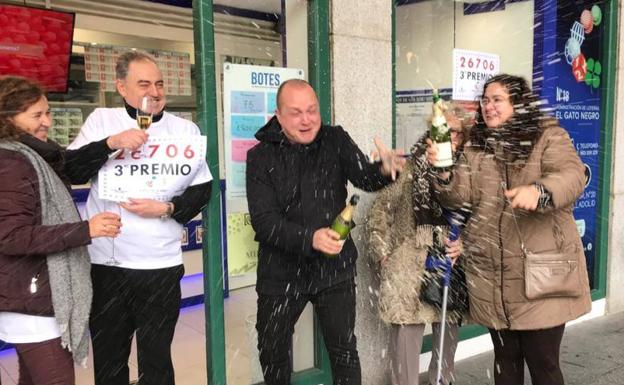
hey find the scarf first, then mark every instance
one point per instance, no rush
(69, 270)
(427, 210)
(51, 152)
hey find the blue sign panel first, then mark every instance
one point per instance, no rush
(568, 74)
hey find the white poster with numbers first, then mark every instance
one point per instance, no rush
(249, 101)
(471, 69)
(161, 169)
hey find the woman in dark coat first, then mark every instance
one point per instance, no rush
(45, 287)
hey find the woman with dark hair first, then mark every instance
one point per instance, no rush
(521, 176)
(45, 286)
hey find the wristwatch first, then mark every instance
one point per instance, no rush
(545, 197)
(169, 211)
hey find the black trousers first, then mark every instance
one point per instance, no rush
(126, 301)
(277, 315)
(538, 348)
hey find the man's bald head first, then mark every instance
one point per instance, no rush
(295, 84)
(298, 111)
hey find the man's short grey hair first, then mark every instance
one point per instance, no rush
(124, 60)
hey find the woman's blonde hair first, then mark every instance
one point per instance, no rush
(460, 112)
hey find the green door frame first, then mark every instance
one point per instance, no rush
(609, 49)
(319, 76)
(205, 66)
(205, 70)
(608, 106)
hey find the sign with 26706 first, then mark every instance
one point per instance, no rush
(471, 69)
(160, 169)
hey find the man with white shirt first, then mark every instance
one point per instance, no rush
(136, 278)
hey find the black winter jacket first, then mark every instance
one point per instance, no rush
(294, 190)
(24, 241)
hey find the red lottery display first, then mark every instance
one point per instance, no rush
(36, 43)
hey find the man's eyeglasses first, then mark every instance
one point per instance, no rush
(496, 101)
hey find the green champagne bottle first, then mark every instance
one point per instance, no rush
(440, 134)
(344, 221)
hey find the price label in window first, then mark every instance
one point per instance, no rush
(160, 169)
(471, 69)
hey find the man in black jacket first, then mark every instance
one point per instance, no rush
(296, 185)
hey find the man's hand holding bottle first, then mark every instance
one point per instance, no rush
(327, 241)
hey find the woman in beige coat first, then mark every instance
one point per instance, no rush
(521, 176)
(401, 227)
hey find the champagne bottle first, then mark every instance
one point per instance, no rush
(440, 134)
(344, 221)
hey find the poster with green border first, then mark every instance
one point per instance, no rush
(242, 250)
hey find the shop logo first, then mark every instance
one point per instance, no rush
(587, 70)
(594, 69)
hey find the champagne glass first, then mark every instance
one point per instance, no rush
(112, 261)
(144, 113)
(144, 116)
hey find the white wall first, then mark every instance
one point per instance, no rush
(361, 51)
(424, 45)
(297, 35)
(508, 33)
(112, 38)
(428, 31)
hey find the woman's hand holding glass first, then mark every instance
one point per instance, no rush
(105, 224)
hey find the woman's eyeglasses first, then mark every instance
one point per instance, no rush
(496, 101)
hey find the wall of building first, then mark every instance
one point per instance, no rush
(615, 264)
(361, 52)
(428, 31)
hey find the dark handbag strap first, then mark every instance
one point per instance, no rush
(525, 251)
(522, 246)
(513, 215)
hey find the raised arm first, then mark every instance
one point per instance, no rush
(359, 171)
(563, 173)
